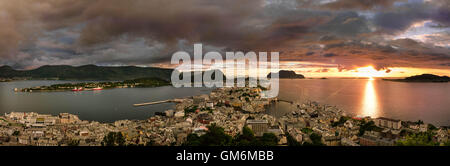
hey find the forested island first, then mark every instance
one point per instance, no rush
(422, 78)
(289, 74)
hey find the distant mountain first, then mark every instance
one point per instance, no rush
(86, 72)
(287, 74)
(423, 78)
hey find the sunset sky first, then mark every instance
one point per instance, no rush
(317, 38)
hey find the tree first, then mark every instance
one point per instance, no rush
(431, 127)
(269, 139)
(419, 122)
(419, 139)
(215, 136)
(151, 143)
(341, 121)
(16, 133)
(291, 141)
(113, 139)
(367, 126)
(447, 143)
(73, 142)
(247, 138)
(316, 140)
(192, 140)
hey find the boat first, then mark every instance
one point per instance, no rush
(98, 88)
(77, 89)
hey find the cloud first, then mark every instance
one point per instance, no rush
(329, 55)
(402, 17)
(345, 24)
(359, 4)
(116, 32)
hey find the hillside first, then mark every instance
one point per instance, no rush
(423, 78)
(86, 72)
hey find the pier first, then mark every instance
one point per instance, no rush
(287, 101)
(159, 102)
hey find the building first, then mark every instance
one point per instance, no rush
(367, 140)
(348, 142)
(200, 100)
(84, 132)
(442, 135)
(169, 113)
(388, 123)
(24, 140)
(259, 127)
(210, 104)
(179, 114)
(372, 138)
(331, 140)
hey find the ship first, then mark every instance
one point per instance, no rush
(77, 89)
(98, 88)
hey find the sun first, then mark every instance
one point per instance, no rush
(369, 72)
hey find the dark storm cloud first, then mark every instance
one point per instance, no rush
(359, 4)
(229, 24)
(141, 32)
(402, 17)
(345, 24)
(166, 21)
(400, 20)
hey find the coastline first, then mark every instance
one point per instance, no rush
(89, 86)
(231, 109)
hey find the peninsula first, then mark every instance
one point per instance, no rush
(289, 74)
(138, 83)
(423, 78)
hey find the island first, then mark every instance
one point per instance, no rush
(5, 79)
(289, 74)
(422, 78)
(138, 83)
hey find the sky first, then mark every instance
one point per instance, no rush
(318, 38)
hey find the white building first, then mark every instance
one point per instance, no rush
(388, 123)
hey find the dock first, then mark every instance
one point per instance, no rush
(159, 102)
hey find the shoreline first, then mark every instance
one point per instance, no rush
(93, 86)
(229, 108)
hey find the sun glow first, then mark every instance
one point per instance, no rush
(370, 101)
(369, 72)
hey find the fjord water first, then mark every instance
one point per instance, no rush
(103, 106)
(429, 102)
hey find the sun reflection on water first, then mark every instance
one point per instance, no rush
(370, 101)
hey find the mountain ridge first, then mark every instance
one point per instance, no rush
(86, 72)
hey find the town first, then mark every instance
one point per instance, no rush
(232, 112)
(88, 86)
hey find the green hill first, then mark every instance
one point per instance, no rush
(86, 72)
